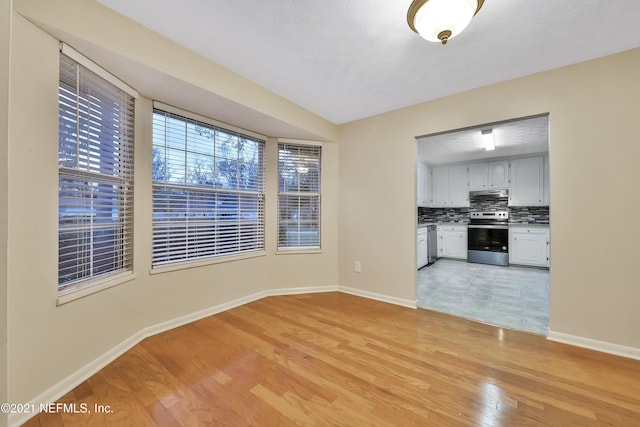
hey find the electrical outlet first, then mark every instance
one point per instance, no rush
(357, 267)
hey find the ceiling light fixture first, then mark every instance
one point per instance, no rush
(488, 140)
(441, 20)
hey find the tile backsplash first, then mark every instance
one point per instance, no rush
(529, 215)
(443, 215)
(517, 214)
(488, 203)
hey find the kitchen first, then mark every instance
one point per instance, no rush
(483, 223)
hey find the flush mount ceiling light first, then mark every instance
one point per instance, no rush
(488, 140)
(441, 20)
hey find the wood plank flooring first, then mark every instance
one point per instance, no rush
(336, 359)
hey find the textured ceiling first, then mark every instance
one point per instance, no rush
(349, 59)
(517, 137)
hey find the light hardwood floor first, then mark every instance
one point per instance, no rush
(336, 359)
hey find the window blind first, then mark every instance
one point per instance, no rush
(299, 167)
(208, 190)
(95, 184)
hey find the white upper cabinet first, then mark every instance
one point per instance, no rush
(488, 175)
(440, 186)
(421, 181)
(423, 186)
(527, 179)
(428, 187)
(458, 186)
(498, 174)
(527, 182)
(547, 197)
(478, 176)
(450, 186)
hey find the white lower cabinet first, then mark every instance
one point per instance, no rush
(423, 248)
(529, 246)
(452, 241)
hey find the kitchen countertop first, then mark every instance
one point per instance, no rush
(512, 225)
(425, 224)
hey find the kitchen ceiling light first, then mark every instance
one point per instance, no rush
(488, 140)
(441, 20)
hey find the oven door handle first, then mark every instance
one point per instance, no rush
(494, 227)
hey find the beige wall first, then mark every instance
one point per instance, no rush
(48, 343)
(368, 195)
(594, 155)
(5, 34)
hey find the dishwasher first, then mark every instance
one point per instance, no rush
(432, 240)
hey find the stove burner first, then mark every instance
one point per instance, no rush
(493, 217)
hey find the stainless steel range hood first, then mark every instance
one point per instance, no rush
(502, 193)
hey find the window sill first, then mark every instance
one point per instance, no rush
(203, 262)
(298, 251)
(93, 286)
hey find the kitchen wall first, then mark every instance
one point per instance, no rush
(594, 153)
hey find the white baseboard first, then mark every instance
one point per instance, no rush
(602, 346)
(54, 393)
(201, 314)
(379, 297)
(192, 317)
(63, 387)
(298, 291)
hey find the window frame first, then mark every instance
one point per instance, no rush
(210, 188)
(308, 147)
(95, 177)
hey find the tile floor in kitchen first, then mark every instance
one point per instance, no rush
(513, 297)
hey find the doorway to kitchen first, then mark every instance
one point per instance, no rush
(492, 180)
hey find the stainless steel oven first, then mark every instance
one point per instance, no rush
(488, 238)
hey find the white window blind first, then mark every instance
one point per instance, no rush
(208, 190)
(95, 186)
(299, 167)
